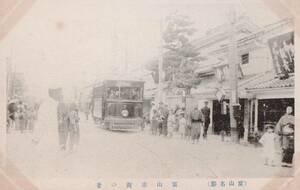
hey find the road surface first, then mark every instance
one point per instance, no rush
(106, 154)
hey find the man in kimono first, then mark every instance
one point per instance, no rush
(62, 119)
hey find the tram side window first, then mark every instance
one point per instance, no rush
(136, 94)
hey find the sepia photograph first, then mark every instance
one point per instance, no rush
(140, 94)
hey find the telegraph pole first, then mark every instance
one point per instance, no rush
(233, 68)
(160, 64)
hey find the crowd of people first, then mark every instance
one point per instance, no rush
(21, 115)
(276, 141)
(188, 125)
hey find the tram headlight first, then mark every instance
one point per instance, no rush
(124, 113)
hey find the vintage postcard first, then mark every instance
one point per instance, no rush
(149, 94)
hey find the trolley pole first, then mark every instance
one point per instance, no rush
(233, 64)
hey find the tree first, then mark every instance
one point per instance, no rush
(180, 58)
(153, 67)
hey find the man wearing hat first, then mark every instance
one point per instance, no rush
(206, 117)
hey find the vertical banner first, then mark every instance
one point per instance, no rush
(282, 50)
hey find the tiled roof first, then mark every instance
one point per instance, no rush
(268, 81)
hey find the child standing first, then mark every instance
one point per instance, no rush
(182, 125)
(268, 142)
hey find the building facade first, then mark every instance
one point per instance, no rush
(263, 92)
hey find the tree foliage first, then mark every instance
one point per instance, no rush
(180, 58)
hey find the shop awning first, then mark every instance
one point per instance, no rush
(269, 81)
(268, 86)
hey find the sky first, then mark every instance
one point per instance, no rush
(67, 43)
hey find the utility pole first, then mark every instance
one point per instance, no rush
(160, 64)
(233, 64)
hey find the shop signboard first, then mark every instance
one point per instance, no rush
(282, 51)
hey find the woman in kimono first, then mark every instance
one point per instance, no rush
(285, 129)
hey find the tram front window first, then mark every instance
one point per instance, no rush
(113, 93)
(125, 93)
(130, 93)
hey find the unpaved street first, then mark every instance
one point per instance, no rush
(111, 154)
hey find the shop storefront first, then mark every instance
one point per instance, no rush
(272, 110)
(271, 96)
(221, 115)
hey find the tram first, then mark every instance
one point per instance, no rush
(118, 104)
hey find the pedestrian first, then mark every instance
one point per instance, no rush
(30, 118)
(285, 130)
(144, 122)
(148, 122)
(73, 126)
(36, 110)
(188, 128)
(224, 118)
(268, 141)
(87, 111)
(206, 118)
(196, 124)
(21, 116)
(161, 118)
(154, 122)
(165, 115)
(12, 113)
(171, 123)
(62, 118)
(151, 110)
(177, 114)
(182, 124)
